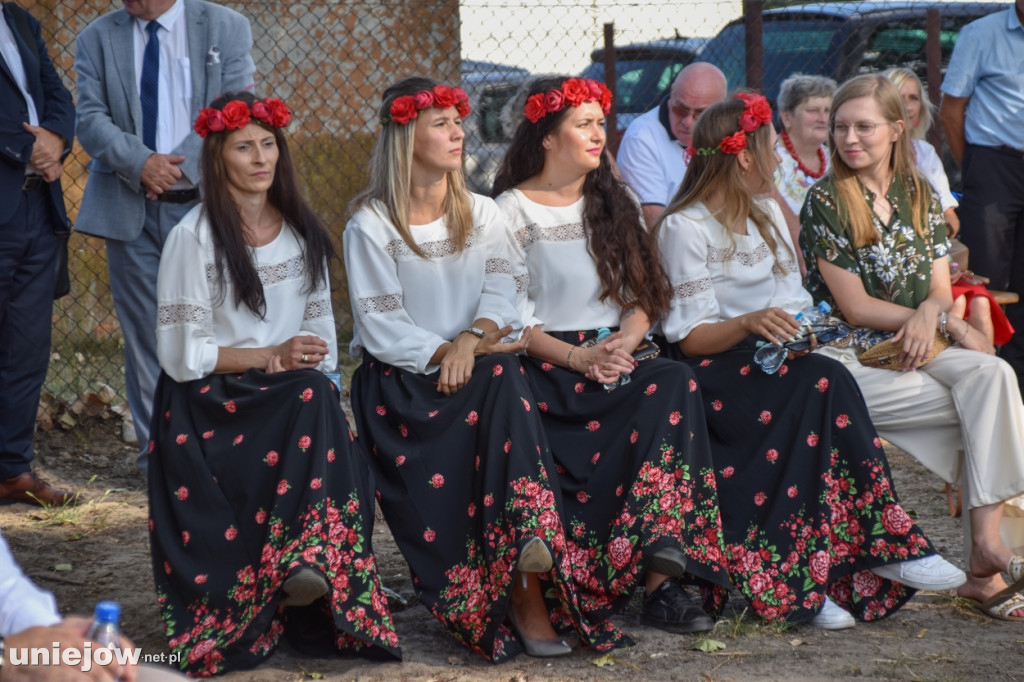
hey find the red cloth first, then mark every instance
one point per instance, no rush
(1002, 327)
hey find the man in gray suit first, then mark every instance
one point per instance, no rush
(144, 73)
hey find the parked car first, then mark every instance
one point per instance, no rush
(644, 72)
(490, 86)
(841, 39)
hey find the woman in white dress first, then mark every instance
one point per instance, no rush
(633, 462)
(813, 529)
(876, 246)
(260, 507)
(463, 472)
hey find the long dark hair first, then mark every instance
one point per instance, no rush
(625, 254)
(230, 250)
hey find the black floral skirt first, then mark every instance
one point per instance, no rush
(807, 498)
(636, 476)
(250, 477)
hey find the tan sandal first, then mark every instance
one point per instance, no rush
(1001, 604)
(1015, 572)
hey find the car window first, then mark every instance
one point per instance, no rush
(640, 83)
(789, 47)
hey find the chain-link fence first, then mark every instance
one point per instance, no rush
(331, 59)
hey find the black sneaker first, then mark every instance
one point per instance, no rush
(671, 608)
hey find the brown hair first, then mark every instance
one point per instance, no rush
(709, 173)
(850, 203)
(624, 252)
(229, 247)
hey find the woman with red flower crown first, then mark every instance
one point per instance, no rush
(463, 473)
(629, 441)
(260, 507)
(813, 529)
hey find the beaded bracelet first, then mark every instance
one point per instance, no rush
(568, 360)
(943, 321)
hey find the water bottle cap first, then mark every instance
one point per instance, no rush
(824, 307)
(604, 332)
(107, 612)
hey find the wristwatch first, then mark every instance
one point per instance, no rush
(475, 331)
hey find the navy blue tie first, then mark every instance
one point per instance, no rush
(150, 85)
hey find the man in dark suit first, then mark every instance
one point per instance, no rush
(144, 73)
(37, 124)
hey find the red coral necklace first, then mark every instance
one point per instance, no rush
(800, 164)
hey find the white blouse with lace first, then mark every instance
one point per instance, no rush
(557, 284)
(194, 320)
(406, 306)
(714, 280)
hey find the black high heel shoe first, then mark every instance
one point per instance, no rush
(538, 648)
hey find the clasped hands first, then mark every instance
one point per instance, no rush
(605, 361)
(298, 352)
(457, 363)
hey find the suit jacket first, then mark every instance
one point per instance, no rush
(55, 109)
(110, 113)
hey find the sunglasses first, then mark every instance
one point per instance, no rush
(822, 334)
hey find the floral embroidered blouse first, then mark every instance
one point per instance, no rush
(897, 268)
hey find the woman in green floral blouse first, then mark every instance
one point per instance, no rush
(875, 242)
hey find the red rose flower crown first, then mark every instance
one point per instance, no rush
(408, 107)
(572, 93)
(756, 113)
(236, 114)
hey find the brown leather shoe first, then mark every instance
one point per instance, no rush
(28, 487)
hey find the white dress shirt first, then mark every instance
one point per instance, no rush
(714, 280)
(930, 165)
(11, 55)
(406, 306)
(174, 94)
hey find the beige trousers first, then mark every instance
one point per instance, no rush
(962, 417)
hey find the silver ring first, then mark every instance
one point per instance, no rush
(304, 358)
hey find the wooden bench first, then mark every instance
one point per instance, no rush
(1005, 298)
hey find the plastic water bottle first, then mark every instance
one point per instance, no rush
(813, 315)
(602, 334)
(770, 357)
(105, 631)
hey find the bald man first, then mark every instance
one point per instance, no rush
(651, 157)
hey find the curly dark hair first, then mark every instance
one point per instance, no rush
(624, 252)
(230, 250)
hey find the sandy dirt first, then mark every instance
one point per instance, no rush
(103, 553)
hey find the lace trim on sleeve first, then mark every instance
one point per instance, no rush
(522, 283)
(318, 309)
(692, 288)
(178, 314)
(385, 303)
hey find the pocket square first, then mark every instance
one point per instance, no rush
(213, 56)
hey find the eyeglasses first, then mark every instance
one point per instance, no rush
(862, 128)
(824, 334)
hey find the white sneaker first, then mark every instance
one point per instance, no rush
(832, 617)
(929, 573)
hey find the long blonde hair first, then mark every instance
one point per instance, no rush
(391, 175)
(900, 75)
(708, 173)
(853, 210)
